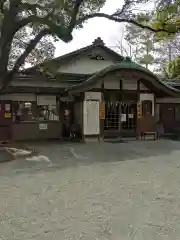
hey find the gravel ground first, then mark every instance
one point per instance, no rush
(93, 192)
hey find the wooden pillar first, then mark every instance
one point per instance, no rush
(82, 120)
(138, 100)
(155, 112)
(121, 100)
(102, 120)
(155, 116)
(138, 90)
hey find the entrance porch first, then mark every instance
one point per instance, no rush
(117, 118)
(121, 101)
(120, 113)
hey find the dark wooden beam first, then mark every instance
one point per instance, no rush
(117, 90)
(39, 90)
(120, 89)
(138, 89)
(121, 100)
(138, 100)
(102, 121)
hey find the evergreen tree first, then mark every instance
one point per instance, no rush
(142, 42)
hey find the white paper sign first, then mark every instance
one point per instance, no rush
(123, 117)
(7, 107)
(43, 126)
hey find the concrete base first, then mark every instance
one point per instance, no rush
(91, 139)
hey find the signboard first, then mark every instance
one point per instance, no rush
(102, 111)
(7, 115)
(43, 126)
(139, 110)
(130, 115)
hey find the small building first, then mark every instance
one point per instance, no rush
(93, 89)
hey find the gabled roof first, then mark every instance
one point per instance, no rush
(87, 48)
(98, 43)
(127, 64)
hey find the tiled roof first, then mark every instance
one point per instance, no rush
(126, 64)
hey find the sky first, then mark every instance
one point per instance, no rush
(108, 30)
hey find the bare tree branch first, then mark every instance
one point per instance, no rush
(117, 19)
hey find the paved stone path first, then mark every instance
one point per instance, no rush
(108, 191)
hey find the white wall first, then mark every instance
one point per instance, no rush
(39, 83)
(111, 82)
(148, 96)
(129, 84)
(19, 97)
(167, 100)
(92, 96)
(46, 100)
(41, 99)
(84, 66)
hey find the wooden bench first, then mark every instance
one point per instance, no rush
(147, 127)
(153, 134)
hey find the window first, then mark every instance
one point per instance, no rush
(96, 56)
(48, 112)
(112, 115)
(146, 107)
(24, 111)
(29, 111)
